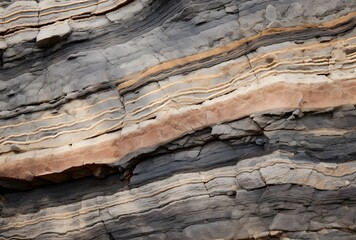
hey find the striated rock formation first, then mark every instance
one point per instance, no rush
(185, 119)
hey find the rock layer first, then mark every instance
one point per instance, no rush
(190, 119)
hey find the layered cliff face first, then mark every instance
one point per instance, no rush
(177, 119)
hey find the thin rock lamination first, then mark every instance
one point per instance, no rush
(177, 119)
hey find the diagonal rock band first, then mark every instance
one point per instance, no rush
(189, 119)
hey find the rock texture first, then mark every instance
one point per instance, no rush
(188, 119)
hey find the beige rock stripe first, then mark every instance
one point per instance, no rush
(57, 116)
(161, 102)
(134, 78)
(60, 125)
(38, 14)
(312, 46)
(55, 6)
(295, 61)
(288, 96)
(121, 122)
(46, 8)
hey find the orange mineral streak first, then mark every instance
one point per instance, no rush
(137, 77)
(272, 97)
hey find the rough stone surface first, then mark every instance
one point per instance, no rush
(189, 119)
(50, 35)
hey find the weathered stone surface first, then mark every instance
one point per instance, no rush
(50, 35)
(191, 119)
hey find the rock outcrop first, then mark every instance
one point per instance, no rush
(189, 119)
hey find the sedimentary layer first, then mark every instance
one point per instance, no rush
(190, 119)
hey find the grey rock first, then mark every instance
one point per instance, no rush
(271, 13)
(50, 35)
(295, 10)
(250, 181)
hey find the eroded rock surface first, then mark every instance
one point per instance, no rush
(189, 119)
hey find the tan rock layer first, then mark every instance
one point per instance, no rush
(323, 58)
(277, 96)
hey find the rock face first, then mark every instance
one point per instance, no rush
(188, 119)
